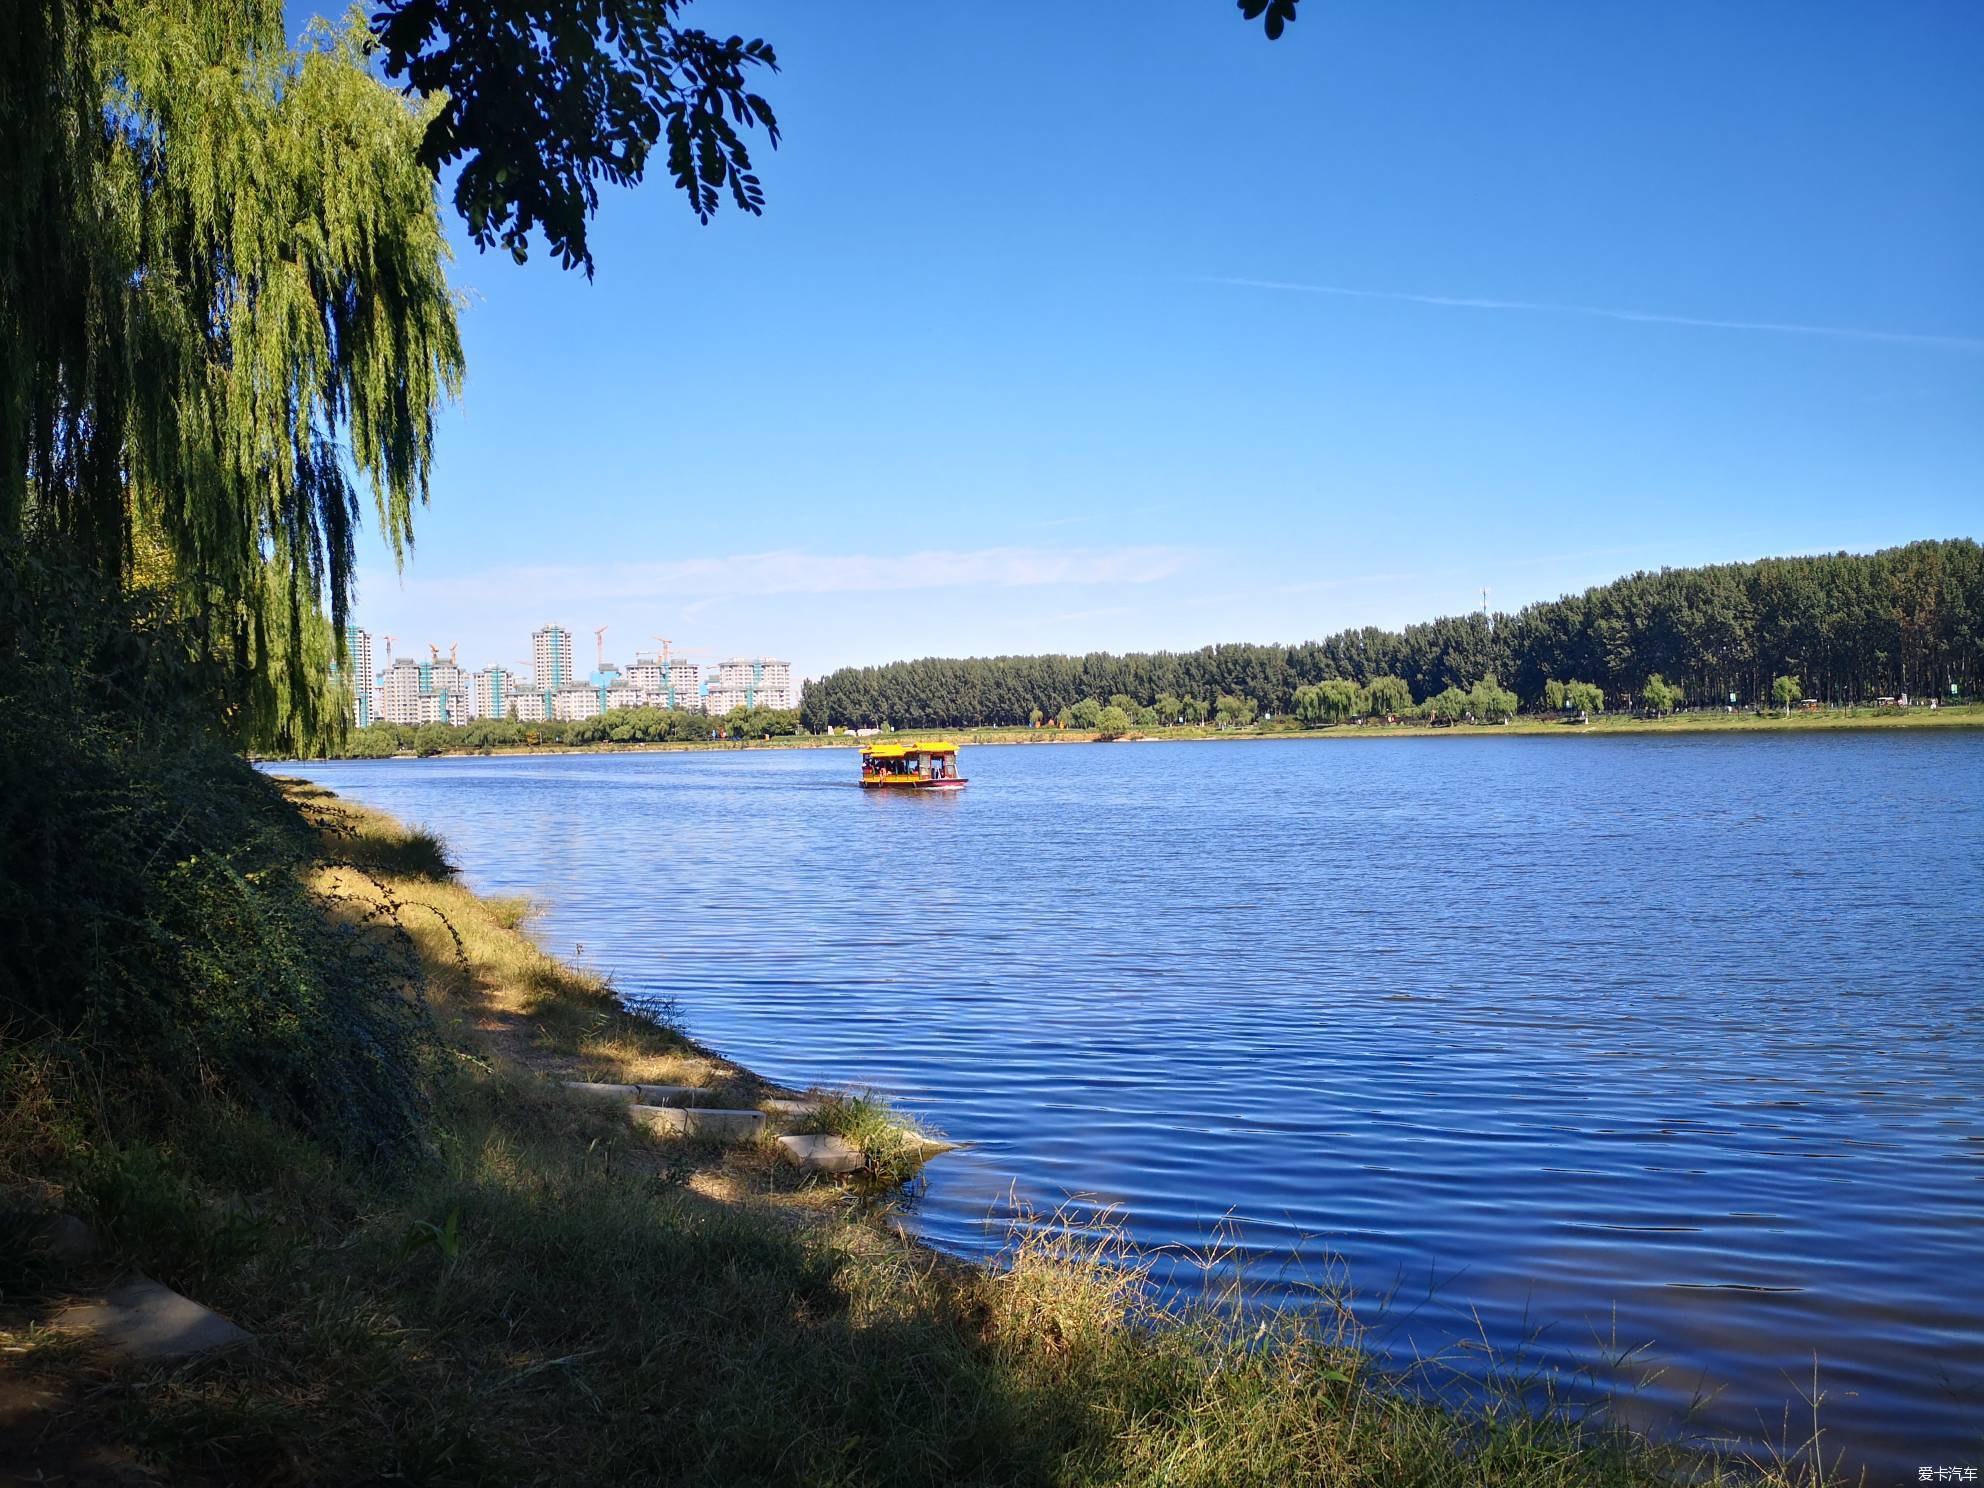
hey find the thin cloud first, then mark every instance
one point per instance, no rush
(1641, 317)
(790, 571)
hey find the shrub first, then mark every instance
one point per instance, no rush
(1236, 712)
(150, 890)
(1490, 702)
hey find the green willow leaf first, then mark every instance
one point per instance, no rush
(223, 308)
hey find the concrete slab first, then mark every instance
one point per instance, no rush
(701, 1121)
(822, 1154)
(792, 1109)
(625, 1095)
(145, 1320)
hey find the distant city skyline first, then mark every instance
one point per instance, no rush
(551, 652)
(404, 687)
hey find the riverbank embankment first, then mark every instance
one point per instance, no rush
(538, 1290)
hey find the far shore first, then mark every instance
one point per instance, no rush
(1834, 720)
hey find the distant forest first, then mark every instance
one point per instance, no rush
(1848, 626)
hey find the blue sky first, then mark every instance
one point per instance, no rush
(1118, 327)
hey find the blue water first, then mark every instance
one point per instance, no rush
(1669, 1048)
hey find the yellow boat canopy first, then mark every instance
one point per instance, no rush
(897, 751)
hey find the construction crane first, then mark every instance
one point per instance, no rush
(436, 650)
(668, 649)
(389, 647)
(599, 649)
(453, 647)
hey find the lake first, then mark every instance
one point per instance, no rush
(1654, 1063)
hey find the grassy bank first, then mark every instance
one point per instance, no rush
(536, 1292)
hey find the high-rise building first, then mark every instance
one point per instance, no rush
(751, 682)
(670, 684)
(491, 691)
(551, 656)
(358, 666)
(551, 660)
(605, 678)
(415, 692)
(576, 700)
(685, 685)
(452, 686)
(406, 694)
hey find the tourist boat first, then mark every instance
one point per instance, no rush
(911, 766)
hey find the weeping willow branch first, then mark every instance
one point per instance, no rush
(223, 308)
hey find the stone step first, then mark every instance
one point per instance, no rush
(792, 1109)
(640, 1095)
(822, 1154)
(146, 1320)
(701, 1121)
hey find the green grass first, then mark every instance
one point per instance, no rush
(895, 1145)
(545, 1294)
(372, 844)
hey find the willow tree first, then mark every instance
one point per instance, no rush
(223, 310)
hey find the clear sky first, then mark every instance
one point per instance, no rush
(1115, 326)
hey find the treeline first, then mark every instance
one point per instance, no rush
(1848, 626)
(1317, 705)
(620, 726)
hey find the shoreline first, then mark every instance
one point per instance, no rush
(1955, 717)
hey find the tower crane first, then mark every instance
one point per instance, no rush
(670, 649)
(599, 649)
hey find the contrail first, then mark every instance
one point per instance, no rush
(1644, 317)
